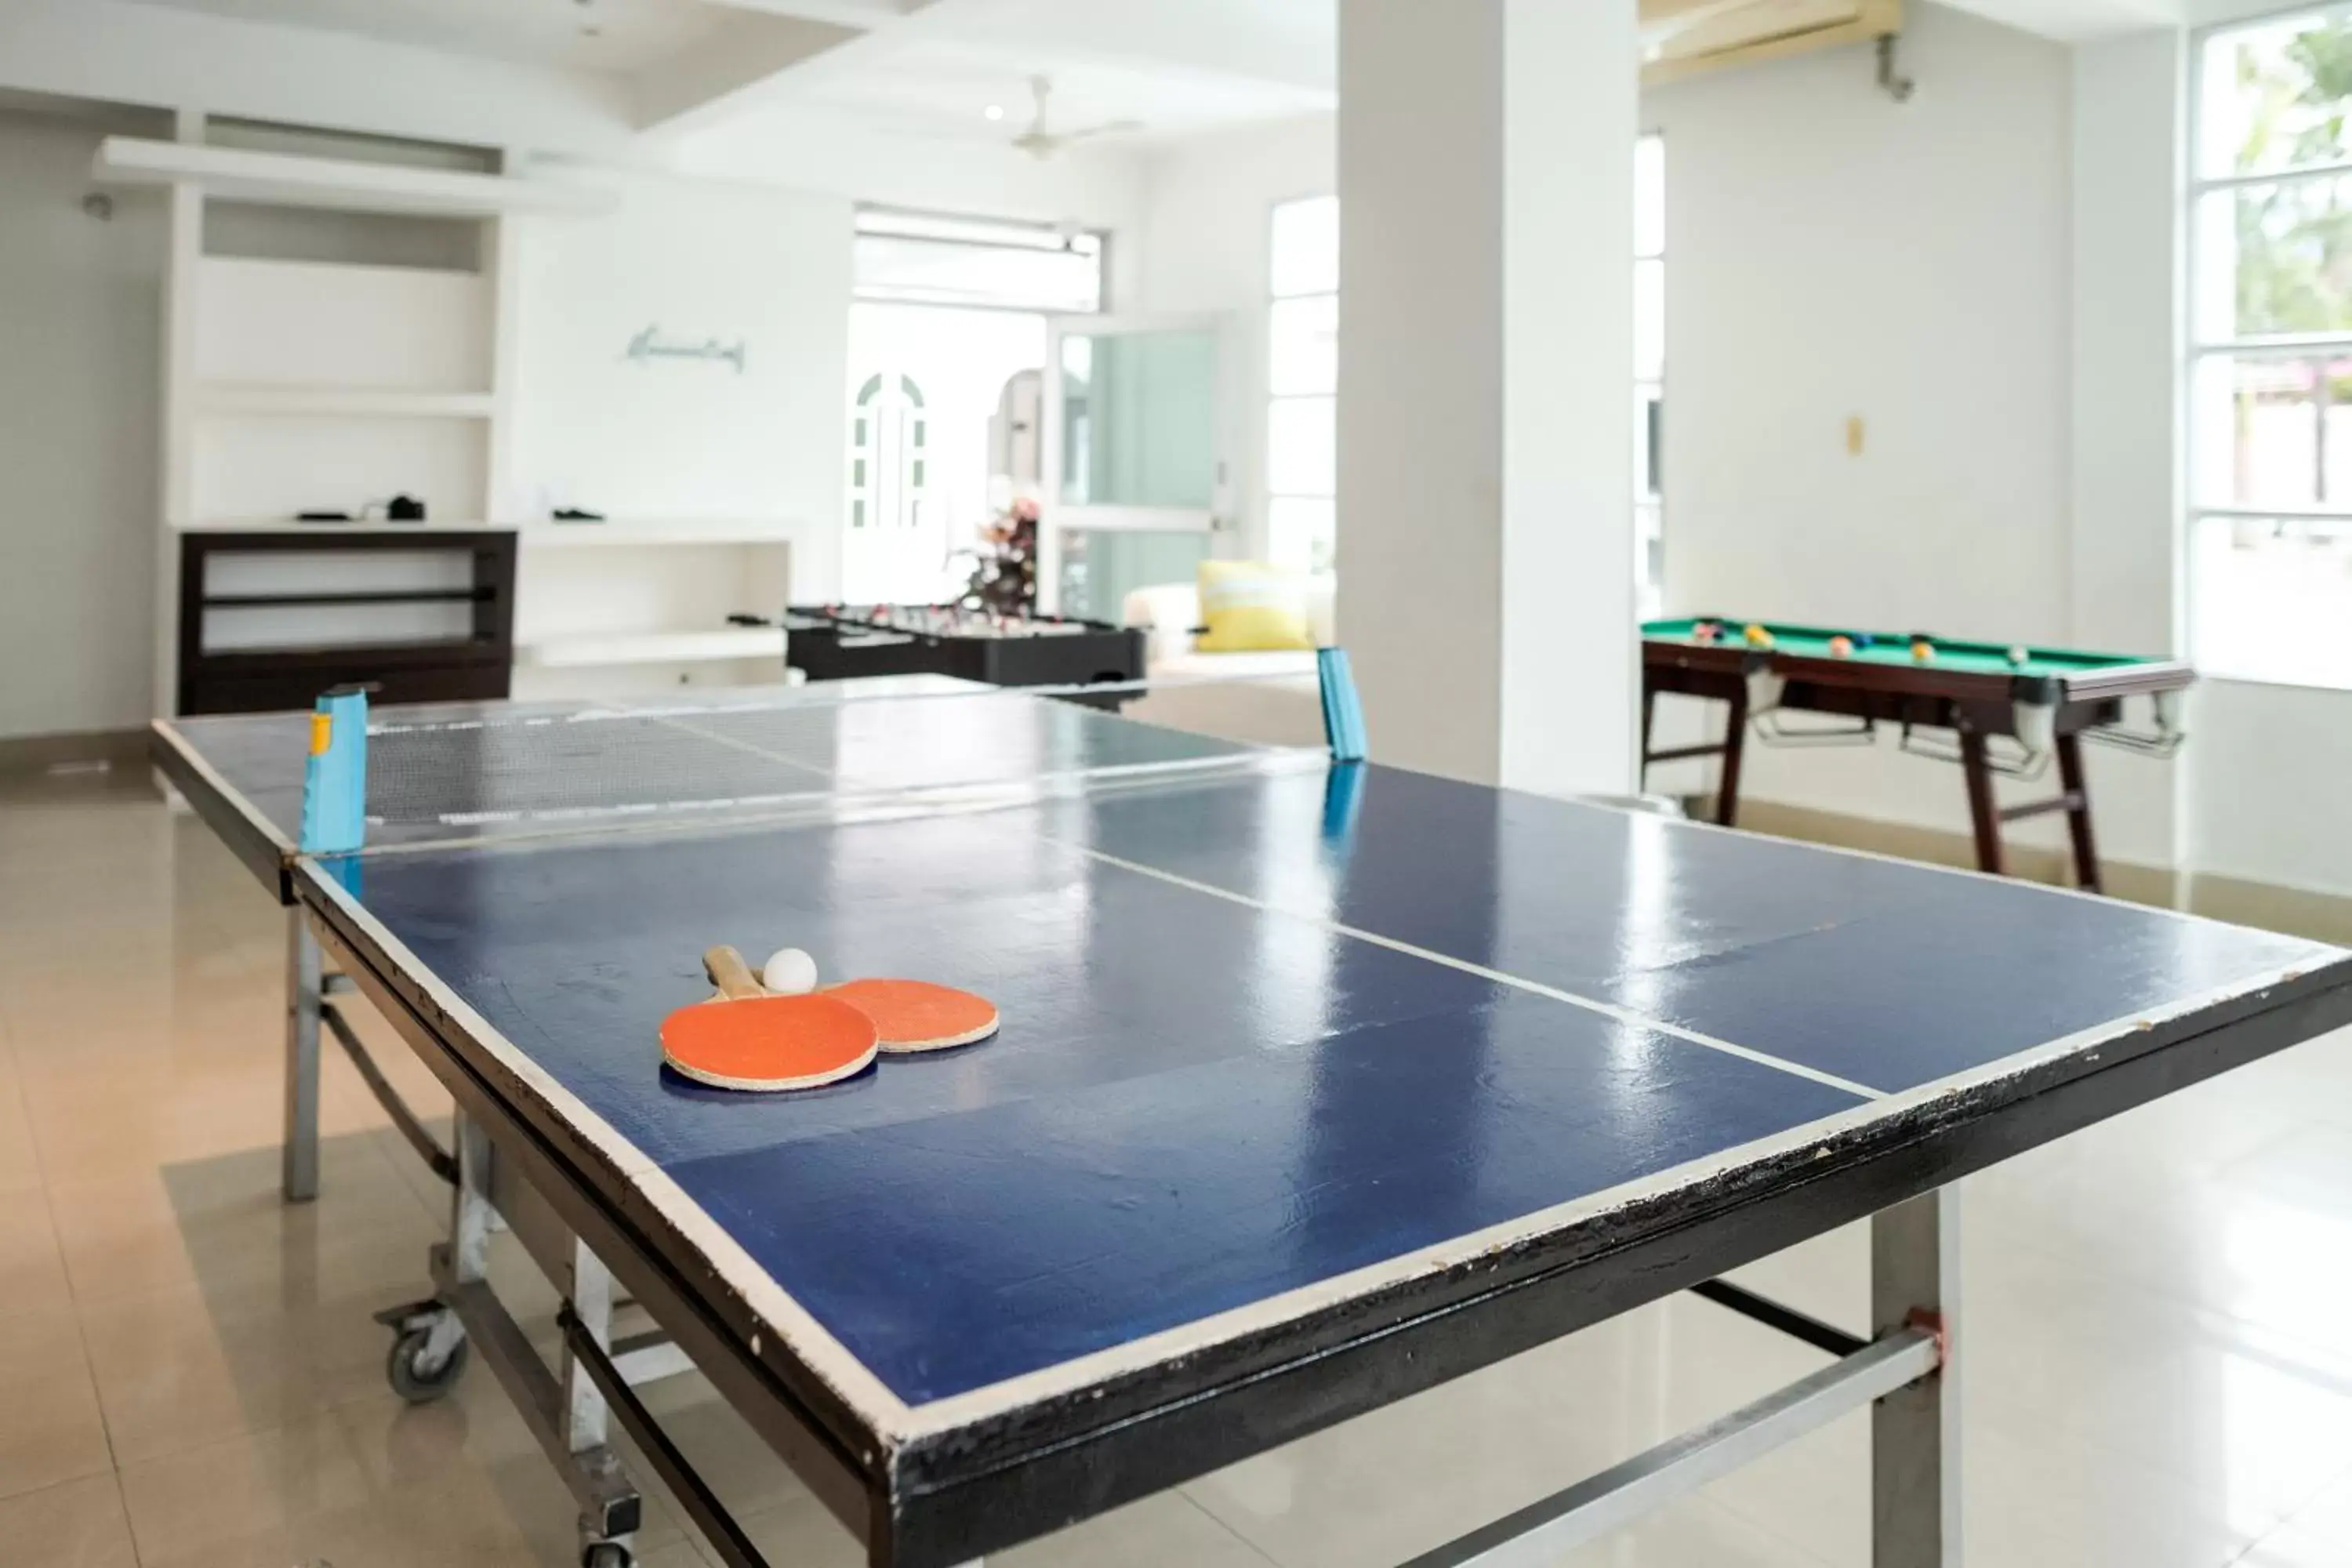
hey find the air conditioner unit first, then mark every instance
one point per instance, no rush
(1681, 37)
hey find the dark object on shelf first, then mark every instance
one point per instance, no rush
(837, 642)
(740, 619)
(323, 517)
(403, 509)
(574, 514)
(475, 667)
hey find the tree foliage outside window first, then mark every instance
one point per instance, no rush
(2294, 239)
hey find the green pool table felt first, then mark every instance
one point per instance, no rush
(1891, 647)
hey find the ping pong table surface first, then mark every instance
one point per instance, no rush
(1318, 1084)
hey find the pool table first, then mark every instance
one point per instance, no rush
(2045, 700)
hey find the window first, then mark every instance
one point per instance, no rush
(1303, 381)
(947, 329)
(1649, 370)
(915, 258)
(2270, 333)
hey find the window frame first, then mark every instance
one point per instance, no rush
(908, 225)
(2192, 512)
(1269, 496)
(1649, 594)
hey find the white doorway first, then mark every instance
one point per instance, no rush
(930, 463)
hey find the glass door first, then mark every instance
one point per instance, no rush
(1139, 427)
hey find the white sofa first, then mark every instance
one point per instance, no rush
(1273, 697)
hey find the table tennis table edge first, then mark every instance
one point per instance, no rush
(250, 836)
(1503, 1306)
(969, 1459)
(837, 1452)
(2155, 1029)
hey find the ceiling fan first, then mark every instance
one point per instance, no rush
(1042, 142)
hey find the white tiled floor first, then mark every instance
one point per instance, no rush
(2156, 1366)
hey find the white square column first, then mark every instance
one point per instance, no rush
(2127, 548)
(1485, 529)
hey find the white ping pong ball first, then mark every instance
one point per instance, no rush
(789, 972)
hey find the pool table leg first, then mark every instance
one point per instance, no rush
(1984, 816)
(2078, 813)
(1734, 736)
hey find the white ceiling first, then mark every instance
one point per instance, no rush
(1175, 66)
(946, 88)
(575, 35)
(2073, 21)
(933, 68)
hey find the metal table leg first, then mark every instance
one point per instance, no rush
(1914, 1432)
(303, 993)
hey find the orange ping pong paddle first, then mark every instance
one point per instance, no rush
(748, 1039)
(912, 1016)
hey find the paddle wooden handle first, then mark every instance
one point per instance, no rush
(731, 975)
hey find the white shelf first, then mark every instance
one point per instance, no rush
(653, 647)
(338, 402)
(331, 530)
(273, 324)
(287, 179)
(625, 534)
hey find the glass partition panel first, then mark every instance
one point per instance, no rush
(1101, 566)
(1139, 419)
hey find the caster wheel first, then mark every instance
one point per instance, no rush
(607, 1555)
(420, 1385)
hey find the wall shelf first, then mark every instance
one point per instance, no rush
(330, 532)
(350, 596)
(284, 179)
(627, 535)
(305, 616)
(340, 402)
(653, 647)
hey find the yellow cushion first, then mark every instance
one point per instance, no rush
(1249, 606)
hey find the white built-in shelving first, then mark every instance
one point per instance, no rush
(213, 398)
(590, 650)
(651, 597)
(643, 535)
(341, 185)
(341, 331)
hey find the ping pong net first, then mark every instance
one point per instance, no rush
(550, 770)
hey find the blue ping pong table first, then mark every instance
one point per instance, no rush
(1319, 1084)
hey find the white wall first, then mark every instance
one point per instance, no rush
(809, 148)
(80, 382)
(1831, 255)
(1202, 245)
(686, 438)
(2266, 800)
(2125, 563)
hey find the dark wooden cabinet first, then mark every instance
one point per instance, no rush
(454, 587)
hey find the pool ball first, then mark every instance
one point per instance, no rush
(1758, 636)
(1922, 649)
(1865, 639)
(1706, 632)
(1840, 647)
(2018, 655)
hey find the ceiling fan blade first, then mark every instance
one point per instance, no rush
(1107, 128)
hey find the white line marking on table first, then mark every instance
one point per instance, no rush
(1592, 1004)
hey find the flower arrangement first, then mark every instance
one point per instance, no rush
(1004, 577)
